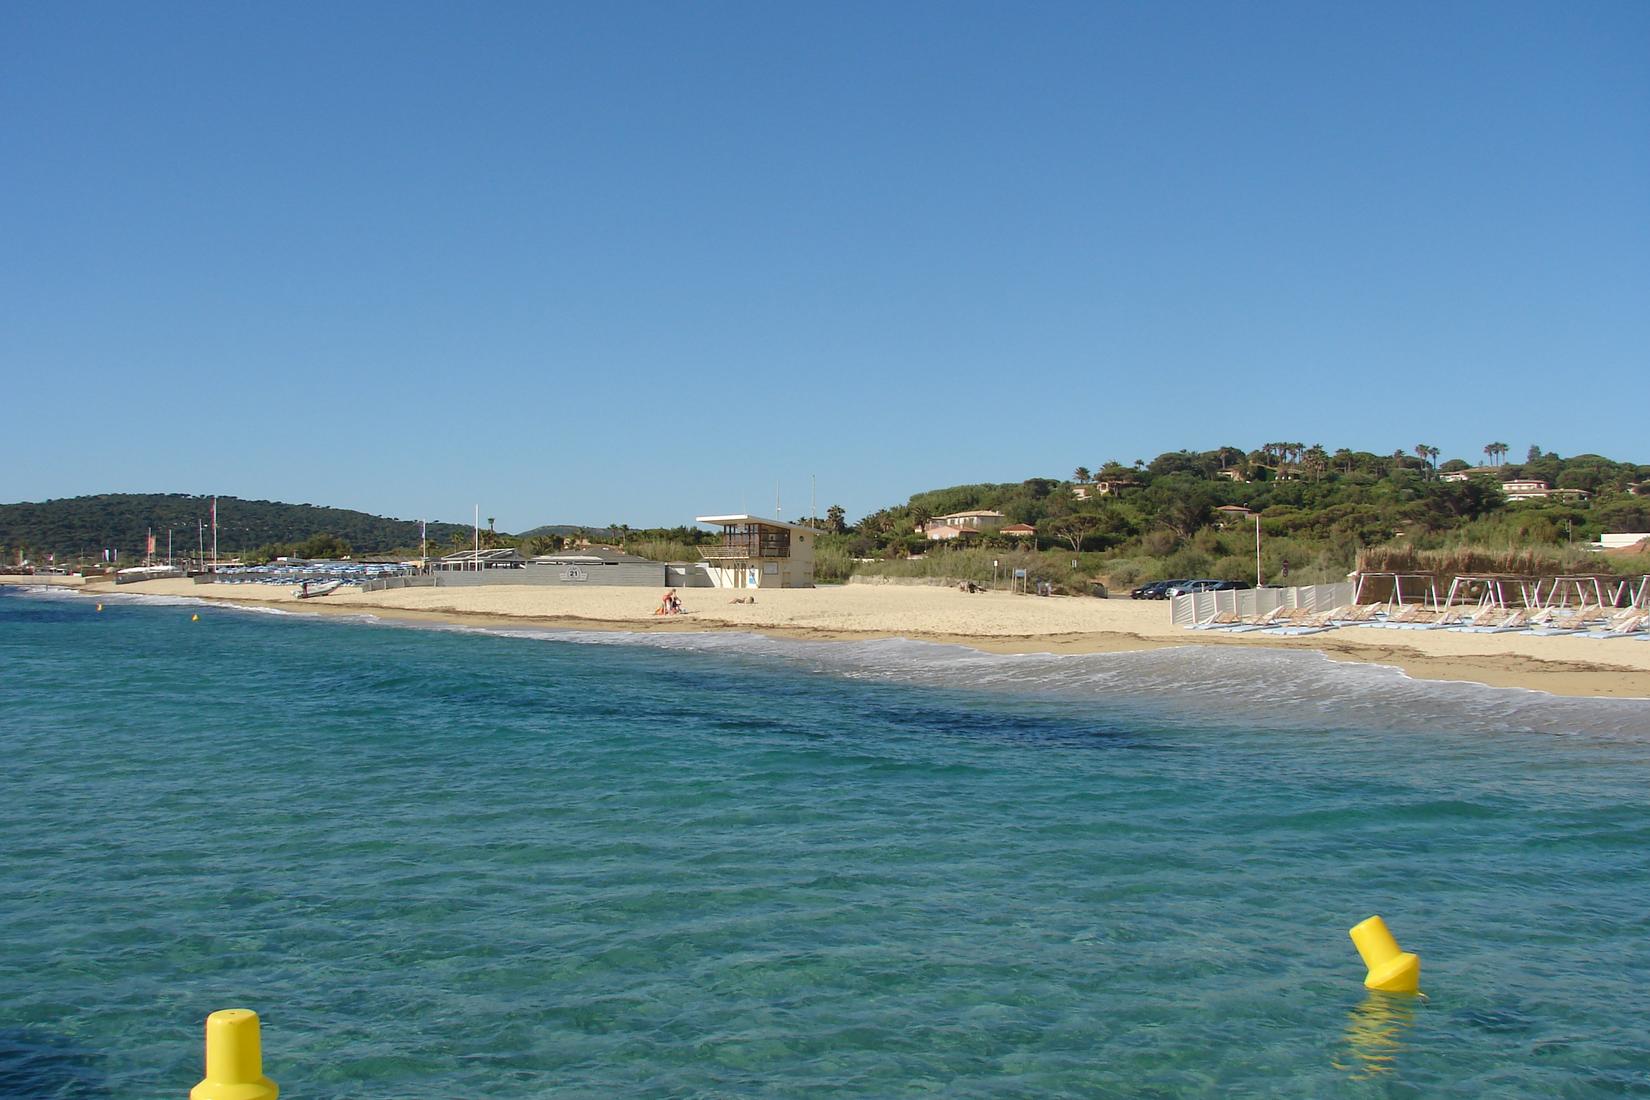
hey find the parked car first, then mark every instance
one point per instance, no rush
(1186, 588)
(1154, 590)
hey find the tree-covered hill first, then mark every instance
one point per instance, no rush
(1196, 513)
(83, 527)
(569, 530)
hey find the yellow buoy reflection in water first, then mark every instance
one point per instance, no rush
(1375, 1034)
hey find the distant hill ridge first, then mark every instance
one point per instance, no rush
(87, 525)
(567, 529)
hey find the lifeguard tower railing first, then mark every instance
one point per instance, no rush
(746, 541)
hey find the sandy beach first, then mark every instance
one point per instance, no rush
(991, 621)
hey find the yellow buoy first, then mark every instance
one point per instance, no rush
(234, 1059)
(100, 607)
(194, 618)
(1390, 969)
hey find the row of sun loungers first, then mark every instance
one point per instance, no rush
(1586, 622)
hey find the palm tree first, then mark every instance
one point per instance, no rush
(1315, 461)
(1080, 475)
(1496, 452)
(1428, 454)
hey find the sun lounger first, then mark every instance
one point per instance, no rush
(1219, 621)
(1621, 627)
(1419, 618)
(1309, 623)
(1261, 622)
(1517, 619)
(1409, 614)
(1561, 622)
(1493, 620)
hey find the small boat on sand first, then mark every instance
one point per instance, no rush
(310, 589)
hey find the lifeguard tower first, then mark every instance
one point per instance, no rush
(759, 553)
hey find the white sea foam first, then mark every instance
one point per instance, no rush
(1253, 686)
(147, 599)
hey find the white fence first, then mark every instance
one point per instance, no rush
(1201, 606)
(422, 580)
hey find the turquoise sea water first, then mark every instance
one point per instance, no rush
(456, 864)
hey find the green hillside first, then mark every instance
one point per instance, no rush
(82, 527)
(1316, 513)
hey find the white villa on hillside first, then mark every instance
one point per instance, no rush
(978, 520)
(1110, 487)
(1535, 489)
(945, 532)
(759, 553)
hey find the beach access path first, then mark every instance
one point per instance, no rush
(991, 621)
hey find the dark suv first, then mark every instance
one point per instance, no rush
(1154, 590)
(1186, 588)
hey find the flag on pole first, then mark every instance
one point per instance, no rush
(151, 544)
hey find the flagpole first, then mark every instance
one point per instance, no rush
(214, 534)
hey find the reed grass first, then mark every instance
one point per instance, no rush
(663, 550)
(1528, 561)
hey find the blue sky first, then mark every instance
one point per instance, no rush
(599, 263)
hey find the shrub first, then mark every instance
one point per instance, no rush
(663, 550)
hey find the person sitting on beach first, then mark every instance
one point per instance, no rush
(664, 605)
(675, 602)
